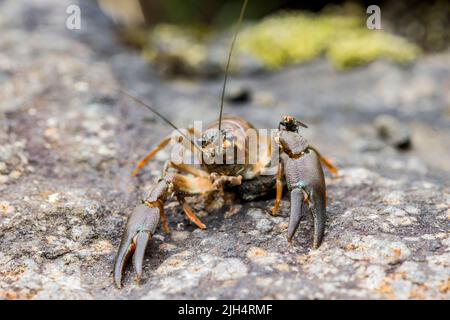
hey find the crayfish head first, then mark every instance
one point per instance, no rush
(291, 124)
(216, 145)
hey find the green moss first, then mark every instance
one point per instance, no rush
(362, 47)
(167, 43)
(187, 42)
(298, 37)
(282, 39)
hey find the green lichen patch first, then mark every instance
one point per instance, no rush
(169, 44)
(298, 37)
(279, 40)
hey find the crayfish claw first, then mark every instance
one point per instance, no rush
(140, 227)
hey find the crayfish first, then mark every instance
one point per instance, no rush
(298, 166)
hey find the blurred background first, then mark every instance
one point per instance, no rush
(274, 29)
(424, 22)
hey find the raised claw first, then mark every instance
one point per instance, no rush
(305, 176)
(140, 227)
(306, 182)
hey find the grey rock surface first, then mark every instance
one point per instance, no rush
(68, 144)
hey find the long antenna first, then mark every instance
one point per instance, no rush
(142, 103)
(238, 24)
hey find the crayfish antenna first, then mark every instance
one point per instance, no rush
(227, 68)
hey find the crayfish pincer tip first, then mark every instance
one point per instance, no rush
(297, 209)
(117, 276)
(117, 282)
(317, 242)
(141, 244)
(290, 235)
(319, 225)
(123, 254)
(316, 245)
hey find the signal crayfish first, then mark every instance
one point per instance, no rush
(226, 155)
(299, 164)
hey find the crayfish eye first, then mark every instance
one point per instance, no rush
(288, 119)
